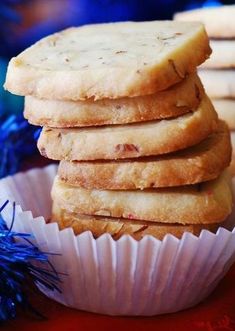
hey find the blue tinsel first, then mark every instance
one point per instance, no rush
(17, 141)
(17, 269)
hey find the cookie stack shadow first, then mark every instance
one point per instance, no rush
(141, 152)
(218, 72)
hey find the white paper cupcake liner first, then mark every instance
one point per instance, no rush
(124, 277)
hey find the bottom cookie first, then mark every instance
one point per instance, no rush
(117, 227)
(208, 202)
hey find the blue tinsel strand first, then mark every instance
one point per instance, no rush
(17, 267)
(17, 141)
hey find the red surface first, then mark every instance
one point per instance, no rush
(217, 313)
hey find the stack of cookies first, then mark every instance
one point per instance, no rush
(217, 73)
(140, 145)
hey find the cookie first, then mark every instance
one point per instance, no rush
(199, 163)
(109, 60)
(209, 202)
(130, 140)
(226, 111)
(219, 21)
(175, 101)
(118, 227)
(223, 55)
(218, 84)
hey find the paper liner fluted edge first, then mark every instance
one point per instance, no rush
(123, 277)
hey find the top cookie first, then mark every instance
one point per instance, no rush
(219, 21)
(109, 60)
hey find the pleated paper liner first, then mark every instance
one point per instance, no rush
(123, 277)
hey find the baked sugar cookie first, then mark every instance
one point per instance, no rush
(117, 227)
(199, 163)
(226, 111)
(209, 202)
(175, 101)
(218, 84)
(130, 140)
(109, 60)
(219, 21)
(223, 55)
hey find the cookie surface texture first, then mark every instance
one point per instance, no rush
(199, 163)
(99, 225)
(219, 21)
(175, 101)
(209, 202)
(130, 140)
(109, 60)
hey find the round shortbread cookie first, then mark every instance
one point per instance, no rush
(208, 202)
(175, 101)
(199, 163)
(117, 227)
(109, 60)
(218, 84)
(223, 55)
(219, 21)
(130, 140)
(226, 111)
